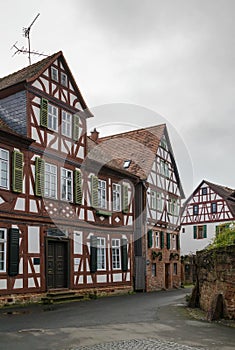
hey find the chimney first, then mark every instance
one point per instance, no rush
(94, 135)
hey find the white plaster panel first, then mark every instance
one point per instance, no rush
(128, 277)
(90, 215)
(78, 105)
(39, 281)
(36, 99)
(89, 279)
(33, 206)
(3, 284)
(29, 268)
(33, 239)
(38, 85)
(46, 73)
(20, 204)
(77, 242)
(35, 135)
(18, 283)
(81, 152)
(101, 278)
(37, 268)
(117, 277)
(46, 84)
(1, 200)
(36, 114)
(81, 214)
(31, 283)
(80, 280)
(21, 266)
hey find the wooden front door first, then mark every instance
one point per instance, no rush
(57, 264)
(167, 275)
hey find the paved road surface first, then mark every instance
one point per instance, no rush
(141, 321)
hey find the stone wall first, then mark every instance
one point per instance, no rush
(215, 288)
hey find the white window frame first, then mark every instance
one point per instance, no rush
(3, 250)
(153, 200)
(164, 168)
(116, 254)
(4, 168)
(54, 74)
(52, 117)
(173, 242)
(63, 79)
(66, 128)
(66, 184)
(173, 207)
(116, 197)
(102, 203)
(157, 240)
(101, 253)
(50, 187)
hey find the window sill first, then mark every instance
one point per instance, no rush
(103, 212)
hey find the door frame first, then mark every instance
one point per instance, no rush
(67, 248)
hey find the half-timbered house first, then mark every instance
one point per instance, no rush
(63, 223)
(209, 206)
(147, 153)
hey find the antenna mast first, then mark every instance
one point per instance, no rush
(26, 34)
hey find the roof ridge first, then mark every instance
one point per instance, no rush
(221, 186)
(29, 68)
(132, 131)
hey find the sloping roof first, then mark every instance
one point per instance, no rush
(28, 73)
(32, 72)
(139, 146)
(224, 192)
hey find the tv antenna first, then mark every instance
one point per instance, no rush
(26, 34)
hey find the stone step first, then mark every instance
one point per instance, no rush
(56, 297)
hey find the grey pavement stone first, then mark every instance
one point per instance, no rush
(138, 344)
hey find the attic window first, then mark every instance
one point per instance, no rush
(54, 74)
(126, 164)
(63, 78)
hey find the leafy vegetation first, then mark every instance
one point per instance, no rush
(225, 237)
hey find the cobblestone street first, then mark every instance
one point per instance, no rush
(142, 344)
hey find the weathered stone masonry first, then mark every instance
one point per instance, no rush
(215, 288)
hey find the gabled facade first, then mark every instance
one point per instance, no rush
(209, 205)
(63, 222)
(147, 153)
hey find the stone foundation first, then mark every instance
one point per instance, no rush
(215, 288)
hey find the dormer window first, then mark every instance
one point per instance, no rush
(54, 74)
(126, 164)
(64, 80)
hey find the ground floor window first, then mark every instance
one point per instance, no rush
(175, 271)
(101, 254)
(3, 253)
(154, 270)
(116, 261)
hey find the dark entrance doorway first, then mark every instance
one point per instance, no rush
(167, 275)
(57, 264)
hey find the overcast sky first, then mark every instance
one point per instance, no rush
(142, 63)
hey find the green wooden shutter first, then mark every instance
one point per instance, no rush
(150, 238)
(178, 242)
(124, 255)
(75, 127)
(93, 257)
(162, 239)
(195, 232)
(39, 176)
(94, 191)
(17, 171)
(125, 206)
(168, 241)
(13, 251)
(77, 187)
(44, 113)
(204, 231)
